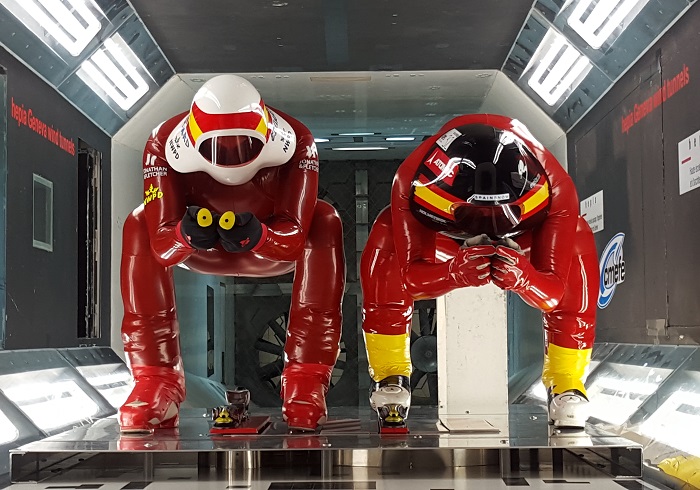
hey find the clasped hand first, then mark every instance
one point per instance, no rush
(202, 229)
(481, 260)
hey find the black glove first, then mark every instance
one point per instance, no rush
(240, 232)
(198, 227)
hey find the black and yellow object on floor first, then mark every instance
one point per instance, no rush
(392, 419)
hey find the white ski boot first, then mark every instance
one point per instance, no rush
(568, 410)
(391, 398)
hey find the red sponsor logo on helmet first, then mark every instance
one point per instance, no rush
(440, 165)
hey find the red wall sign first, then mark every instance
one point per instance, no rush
(668, 89)
(25, 117)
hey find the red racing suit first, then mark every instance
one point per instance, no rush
(302, 235)
(404, 261)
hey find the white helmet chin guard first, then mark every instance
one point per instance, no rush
(229, 133)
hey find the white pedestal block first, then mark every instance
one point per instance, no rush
(473, 352)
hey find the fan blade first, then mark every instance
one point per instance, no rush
(433, 386)
(416, 377)
(278, 329)
(425, 317)
(269, 347)
(271, 370)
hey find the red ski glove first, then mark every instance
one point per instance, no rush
(510, 269)
(471, 266)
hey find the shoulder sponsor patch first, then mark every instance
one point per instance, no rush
(150, 169)
(310, 162)
(152, 193)
(154, 172)
(307, 164)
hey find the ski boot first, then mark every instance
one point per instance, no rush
(238, 404)
(568, 410)
(154, 402)
(391, 398)
(304, 388)
(230, 417)
(565, 437)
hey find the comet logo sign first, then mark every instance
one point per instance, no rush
(612, 269)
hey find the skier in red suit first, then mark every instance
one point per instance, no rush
(481, 202)
(230, 189)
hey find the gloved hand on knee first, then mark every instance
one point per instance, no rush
(240, 232)
(198, 229)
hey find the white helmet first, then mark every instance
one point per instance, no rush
(229, 133)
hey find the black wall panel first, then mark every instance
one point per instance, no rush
(681, 119)
(628, 147)
(42, 286)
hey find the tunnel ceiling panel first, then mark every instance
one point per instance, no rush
(109, 57)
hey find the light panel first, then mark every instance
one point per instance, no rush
(69, 22)
(619, 390)
(53, 402)
(400, 138)
(675, 423)
(597, 20)
(558, 68)
(112, 381)
(112, 70)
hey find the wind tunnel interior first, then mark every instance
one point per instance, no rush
(624, 129)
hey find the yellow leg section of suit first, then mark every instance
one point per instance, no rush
(388, 355)
(565, 369)
(683, 468)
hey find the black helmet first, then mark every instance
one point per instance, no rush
(480, 179)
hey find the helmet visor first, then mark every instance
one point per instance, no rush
(230, 151)
(496, 221)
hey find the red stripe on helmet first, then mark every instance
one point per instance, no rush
(237, 120)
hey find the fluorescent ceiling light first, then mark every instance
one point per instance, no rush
(69, 22)
(321, 140)
(400, 138)
(111, 70)
(356, 134)
(596, 20)
(558, 68)
(358, 148)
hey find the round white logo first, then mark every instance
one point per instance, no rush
(612, 269)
